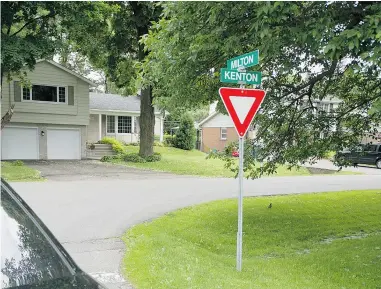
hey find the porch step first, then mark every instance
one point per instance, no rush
(99, 151)
(102, 146)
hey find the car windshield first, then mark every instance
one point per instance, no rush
(28, 255)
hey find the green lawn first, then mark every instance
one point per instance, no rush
(326, 240)
(19, 173)
(194, 163)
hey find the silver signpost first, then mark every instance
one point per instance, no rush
(240, 205)
(240, 200)
(242, 105)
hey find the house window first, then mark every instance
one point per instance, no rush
(45, 93)
(124, 124)
(224, 133)
(26, 93)
(62, 94)
(110, 124)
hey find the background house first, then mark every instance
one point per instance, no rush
(55, 115)
(117, 116)
(50, 117)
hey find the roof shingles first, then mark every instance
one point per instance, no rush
(106, 101)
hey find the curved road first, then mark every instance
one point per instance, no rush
(88, 216)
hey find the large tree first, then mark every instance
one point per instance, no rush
(308, 51)
(35, 30)
(112, 43)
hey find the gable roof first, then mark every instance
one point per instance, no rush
(107, 101)
(115, 102)
(209, 117)
(68, 71)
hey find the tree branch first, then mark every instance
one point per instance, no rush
(51, 14)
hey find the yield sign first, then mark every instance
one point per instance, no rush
(242, 105)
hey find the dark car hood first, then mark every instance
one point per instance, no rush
(77, 281)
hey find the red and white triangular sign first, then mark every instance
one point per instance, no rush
(242, 105)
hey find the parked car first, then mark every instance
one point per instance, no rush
(31, 257)
(369, 154)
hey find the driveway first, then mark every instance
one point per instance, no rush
(363, 169)
(89, 215)
(89, 170)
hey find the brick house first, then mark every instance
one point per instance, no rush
(217, 131)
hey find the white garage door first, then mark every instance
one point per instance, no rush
(19, 143)
(64, 144)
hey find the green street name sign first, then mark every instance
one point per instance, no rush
(244, 60)
(234, 76)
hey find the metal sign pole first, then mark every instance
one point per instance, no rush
(240, 203)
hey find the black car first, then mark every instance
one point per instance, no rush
(31, 257)
(369, 154)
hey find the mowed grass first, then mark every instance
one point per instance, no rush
(19, 173)
(194, 162)
(326, 240)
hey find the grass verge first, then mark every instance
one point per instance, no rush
(325, 240)
(193, 162)
(18, 172)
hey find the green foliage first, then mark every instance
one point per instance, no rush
(169, 140)
(158, 144)
(133, 158)
(18, 163)
(106, 158)
(318, 50)
(35, 30)
(117, 146)
(186, 134)
(154, 158)
(135, 144)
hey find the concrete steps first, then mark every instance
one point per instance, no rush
(99, 150)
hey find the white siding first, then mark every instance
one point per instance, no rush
(220, 120)
(52, 113)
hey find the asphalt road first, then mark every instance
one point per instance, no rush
(88, 216)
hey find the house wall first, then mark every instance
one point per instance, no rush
(93, 129)
(158, 126)
(43, 147)
(49, 113)
(220, 120)
(211, 138)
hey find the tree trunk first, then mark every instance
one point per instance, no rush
(147, 123)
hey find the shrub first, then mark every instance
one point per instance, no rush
(154, 158)
(18, 163)
(117, 146)
(106, 158)
(168, 140)
(109, 158)
(133, 158)
(186, 134)
(158, 144)
(135, 144)
(156, 137)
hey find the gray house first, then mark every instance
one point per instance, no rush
(55, 115)
(50, 117)
(117, 116)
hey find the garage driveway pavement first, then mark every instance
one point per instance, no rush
(63, 170)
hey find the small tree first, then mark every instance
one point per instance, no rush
(186, 135)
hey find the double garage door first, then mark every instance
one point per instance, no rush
(23, 143)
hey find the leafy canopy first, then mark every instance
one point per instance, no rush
(309, 51)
